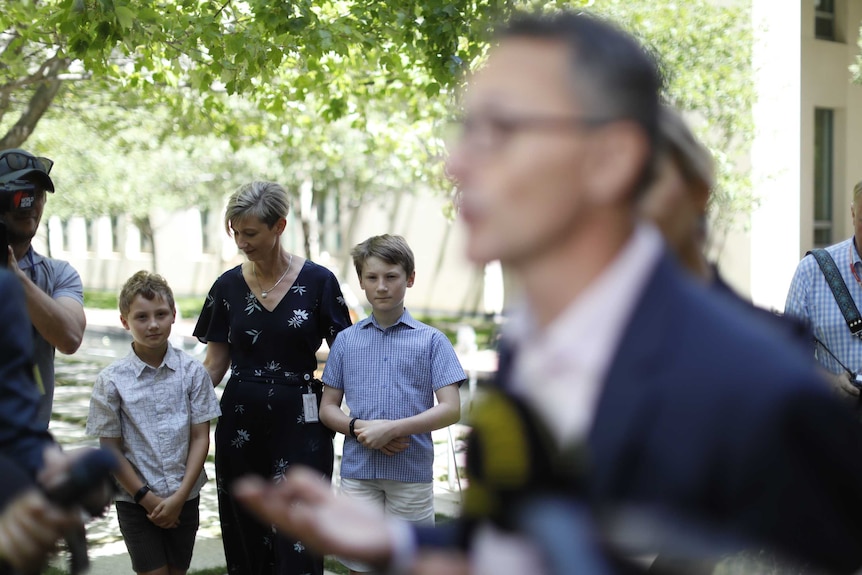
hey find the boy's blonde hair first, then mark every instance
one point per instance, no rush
(391, 249)
(147, 285)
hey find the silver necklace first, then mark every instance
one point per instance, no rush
(264, 292)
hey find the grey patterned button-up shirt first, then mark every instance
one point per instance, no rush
(152, 410)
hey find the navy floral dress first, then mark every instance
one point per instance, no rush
(262, 429)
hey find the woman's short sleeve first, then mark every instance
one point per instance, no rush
(214, 320)
(334, 315)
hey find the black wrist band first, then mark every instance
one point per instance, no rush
(142, 492)
(352, 430)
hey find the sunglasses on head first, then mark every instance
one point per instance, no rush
(18, 161)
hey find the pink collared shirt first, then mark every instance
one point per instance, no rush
(560, 370)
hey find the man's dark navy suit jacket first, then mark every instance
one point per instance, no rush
(710, 414)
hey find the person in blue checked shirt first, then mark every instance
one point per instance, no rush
(810, 299)
(389, 368)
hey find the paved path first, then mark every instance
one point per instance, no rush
(106, 340)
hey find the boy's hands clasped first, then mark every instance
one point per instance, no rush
(381, 434)
(164, 513)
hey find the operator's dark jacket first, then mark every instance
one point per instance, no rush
(22, 438)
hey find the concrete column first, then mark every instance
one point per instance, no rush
(776, 157)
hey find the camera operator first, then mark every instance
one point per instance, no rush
(31, 518)
(815, 299)
(52, 288)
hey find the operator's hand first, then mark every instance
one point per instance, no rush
(55, 467)
(30, 528)
(13, 263)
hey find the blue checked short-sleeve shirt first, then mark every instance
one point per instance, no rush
(391, 373)
(810, 299)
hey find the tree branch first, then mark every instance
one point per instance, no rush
(36, 107)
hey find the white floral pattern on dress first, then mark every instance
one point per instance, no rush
(299, 317)
(281, 467)
(299, 290)
(254, 333)
(273, 366)
(242, 437)
(251, 304)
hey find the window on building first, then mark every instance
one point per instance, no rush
(824, 19)
(115, 233)
(206, 235)
(66, 226)
(90, 227)
(823, 181)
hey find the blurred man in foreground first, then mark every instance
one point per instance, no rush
(627, 386)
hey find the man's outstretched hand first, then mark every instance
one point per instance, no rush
(304, 506)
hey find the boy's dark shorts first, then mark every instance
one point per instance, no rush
(152, 547)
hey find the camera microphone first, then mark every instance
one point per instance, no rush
(84, 475)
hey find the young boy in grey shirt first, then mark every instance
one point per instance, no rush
(154, 407)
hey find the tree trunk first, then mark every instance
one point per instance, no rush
(39, 103)
(145, 227)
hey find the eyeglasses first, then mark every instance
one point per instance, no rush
(489, 133)
(19, 161)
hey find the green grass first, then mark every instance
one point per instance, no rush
(188, 307)
(485, 329)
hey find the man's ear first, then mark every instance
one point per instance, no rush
(700, 196)
(411, 278)
(615, 158)
(124, 322)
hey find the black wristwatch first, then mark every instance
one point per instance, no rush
(352, 425)
(142, 492)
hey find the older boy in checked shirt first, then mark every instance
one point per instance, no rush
(154, 407)
(388, 368)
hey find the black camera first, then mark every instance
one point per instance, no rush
(86, 483)
(17, 195)
(14, 195)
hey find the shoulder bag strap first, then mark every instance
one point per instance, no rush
(839, 290)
